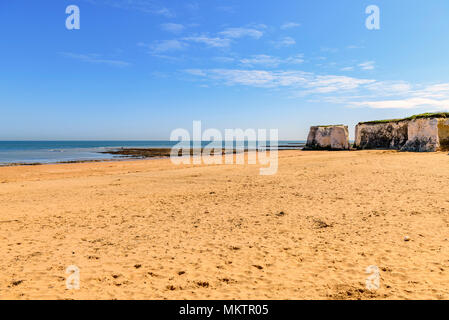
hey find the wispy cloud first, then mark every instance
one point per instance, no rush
(433, 97)
(173, 27)
(224, 38)
(391, 88)
(410, 103)
(344, 90)
(146, 6)
(368, 65)
(235, 33)
(221, 39)
(95, 58)
(329, 50)
(228, 9)
(164, 12)
(290, 25)
(216, 42)
(224, 59)
(440, 90)
(284, 42)
(307, 81)
(193, 6)
(270, 61)
(262, 59)
(164, 46)
(354, 46)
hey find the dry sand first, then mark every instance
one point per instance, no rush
(146, 229)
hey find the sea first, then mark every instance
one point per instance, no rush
(40, 152)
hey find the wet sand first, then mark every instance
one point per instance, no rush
(147, 229)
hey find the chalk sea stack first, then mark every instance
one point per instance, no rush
(426, 132)
(334, 137)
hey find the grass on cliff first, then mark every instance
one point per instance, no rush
(417, 116)
(330, 125)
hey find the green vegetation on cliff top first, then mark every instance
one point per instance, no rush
(330, 125)
(417, 116)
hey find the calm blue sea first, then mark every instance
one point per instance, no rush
(61, 151)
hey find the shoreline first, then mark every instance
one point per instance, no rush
(127, 154)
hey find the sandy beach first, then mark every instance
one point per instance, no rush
(147, 229)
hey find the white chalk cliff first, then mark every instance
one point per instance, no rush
(423, 134)
(328, 138)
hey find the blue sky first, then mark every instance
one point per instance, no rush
(137, 69)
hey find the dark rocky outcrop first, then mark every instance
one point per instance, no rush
(390, 135)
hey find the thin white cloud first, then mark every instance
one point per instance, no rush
(307, 81)
(344, 90)
(354, 46)
(391, 88)
(258, 26)
(164, 46)
(222, 40)
(193, 6)
(330, 50)
(434, 97)
(270, 61)
(146, 6)
(338, 82)
(216, 42)
(434, 91)
(284, 42)
(228, 9)
(224, 59)
(235, 33)
(297, 59)
(262, 59)
(95, 58)
(173, 27)
(165, 12)
(411, 103)
(196, 72)
(368, 65)
(290, 25)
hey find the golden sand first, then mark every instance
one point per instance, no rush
(147, 229)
